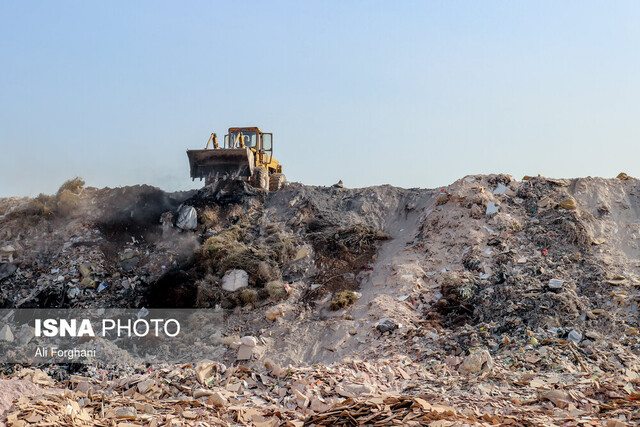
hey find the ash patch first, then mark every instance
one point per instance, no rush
(175, 289)
(134, 211)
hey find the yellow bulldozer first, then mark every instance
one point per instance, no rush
(246, 154)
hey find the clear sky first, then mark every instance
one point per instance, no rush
(414, 94)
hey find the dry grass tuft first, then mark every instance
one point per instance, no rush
(276, 290)
(249, 296)
(73, 185)
(343, 300)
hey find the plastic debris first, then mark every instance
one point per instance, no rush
(234, 280)
(187, 218)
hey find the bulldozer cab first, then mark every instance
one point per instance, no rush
(259, 142)
(237, 138)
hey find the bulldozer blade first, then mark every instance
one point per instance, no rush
(231, 162)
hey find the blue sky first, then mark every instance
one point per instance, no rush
(414, 94)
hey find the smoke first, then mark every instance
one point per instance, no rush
(135, 211)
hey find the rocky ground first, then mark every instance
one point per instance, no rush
(490, 301)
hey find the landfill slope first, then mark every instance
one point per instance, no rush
(491, 300)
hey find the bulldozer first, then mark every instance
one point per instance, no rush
(246, 154)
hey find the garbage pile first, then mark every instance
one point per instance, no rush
(489, 301)
(542, 266)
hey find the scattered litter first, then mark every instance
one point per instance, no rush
(492, 209)
(478, 361)
(500, 189)
(6, 334)
(234, 280)
(555, 283)
(575, 336)
(187, 218)
(386, 325)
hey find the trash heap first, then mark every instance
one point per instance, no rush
(489, 301)
(538, 267)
